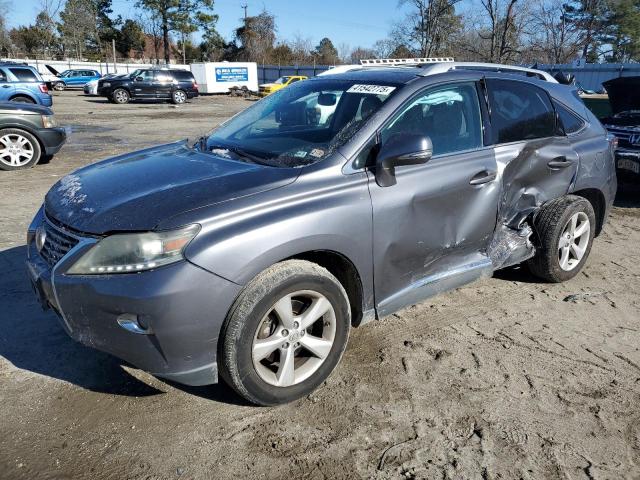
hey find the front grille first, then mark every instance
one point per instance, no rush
(624, 136)
(57, 244)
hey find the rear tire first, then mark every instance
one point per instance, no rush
(120, 96)
(18, 149)
(23, 99)
(178, 97)
(565, 229)
(285, 333)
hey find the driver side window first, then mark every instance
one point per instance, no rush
(449, 115)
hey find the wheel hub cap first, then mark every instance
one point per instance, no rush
(574, 241)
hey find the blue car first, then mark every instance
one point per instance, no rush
(75, 78)
(21, 83)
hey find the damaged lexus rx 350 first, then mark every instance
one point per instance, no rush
(249, 254)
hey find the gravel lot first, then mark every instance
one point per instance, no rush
(505, 378)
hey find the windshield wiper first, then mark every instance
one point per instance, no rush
(237, 150)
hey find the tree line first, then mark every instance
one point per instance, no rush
(503, 31)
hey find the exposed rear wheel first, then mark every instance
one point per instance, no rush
(18, 149)
(23, 99)
(59, 86)
(565, 227)
(285, 333)
(179, 96)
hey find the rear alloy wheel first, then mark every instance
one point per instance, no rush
(18, 149)
(59, 86)
(22, 99)
(178, 97)
(565, 229)
(121, 96)
(285, 333)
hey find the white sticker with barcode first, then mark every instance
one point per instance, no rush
(371, 89)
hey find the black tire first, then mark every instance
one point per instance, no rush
(23, 99)
(34, 145)
(59, 86)
(178, 97)
(256, 300)
(549, 225)
(120, 96)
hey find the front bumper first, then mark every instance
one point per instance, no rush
(628, 165)
(52, 139)
(181, 306)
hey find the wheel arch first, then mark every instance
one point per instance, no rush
(24, 95)
(597, 200)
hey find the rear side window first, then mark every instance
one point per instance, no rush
(519, 111)
(570, 122)
(24, 74)
(182, 75)
(3, 76)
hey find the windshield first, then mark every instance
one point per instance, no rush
(67, 73)
(300, 124)
(281, 80)
(135, 73)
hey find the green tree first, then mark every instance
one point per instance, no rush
(623, 36)
(591, 19)
(78, 27)
(130, 38)
(183, 16)
(325, 53)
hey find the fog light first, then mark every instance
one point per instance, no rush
(130, 322)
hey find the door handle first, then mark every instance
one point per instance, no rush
(559, 162)
(5, 86)
(484, 176)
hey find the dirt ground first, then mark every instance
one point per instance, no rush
(505, 378)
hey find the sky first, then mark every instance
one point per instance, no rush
(358, 23)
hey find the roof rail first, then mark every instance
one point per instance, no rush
(404, 61)
(487, 67)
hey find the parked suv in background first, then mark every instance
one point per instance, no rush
(21, 83)
(251, 252)
(75, 78)
(150, 84)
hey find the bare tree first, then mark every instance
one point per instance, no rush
(428, 27)
(553, 39)
(152, 27)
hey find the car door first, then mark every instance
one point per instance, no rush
(6, 86)
(163, 83)
(432, 228)
(143, 86)
(537, 161)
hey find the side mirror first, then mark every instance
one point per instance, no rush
(139, 79)
(401, 149)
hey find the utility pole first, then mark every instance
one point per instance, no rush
(244, 7)
(113, 46)
(184, 51)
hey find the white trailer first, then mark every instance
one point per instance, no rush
(219, 77)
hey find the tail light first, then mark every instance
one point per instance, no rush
(43, 88)
(195, 85)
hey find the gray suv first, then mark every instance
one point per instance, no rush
(248, 254)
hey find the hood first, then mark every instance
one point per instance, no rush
(135, 192)
(24, 108)
(52, 70)
(267, 85)
(624, 93)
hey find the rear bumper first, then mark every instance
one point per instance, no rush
(181, 306)
(53, 139)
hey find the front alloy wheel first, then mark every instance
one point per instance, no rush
(18, 149)
(573, 241)
(285, 333)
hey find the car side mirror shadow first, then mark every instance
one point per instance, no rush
(400, 150)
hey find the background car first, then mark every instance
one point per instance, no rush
(75, 78)
(282, 82)
(28, 135)
(150, 84)
(91, 88)
(21, 83)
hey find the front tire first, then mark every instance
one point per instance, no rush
(285, 333)
(565, 227)
(120, 96)
(18, 149)
(59, 86)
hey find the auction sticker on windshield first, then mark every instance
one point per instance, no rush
(372, 89)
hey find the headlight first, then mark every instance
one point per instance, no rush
(134, 252)
(106, 84)
(48, 121)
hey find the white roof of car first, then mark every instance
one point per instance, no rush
(432, 66)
